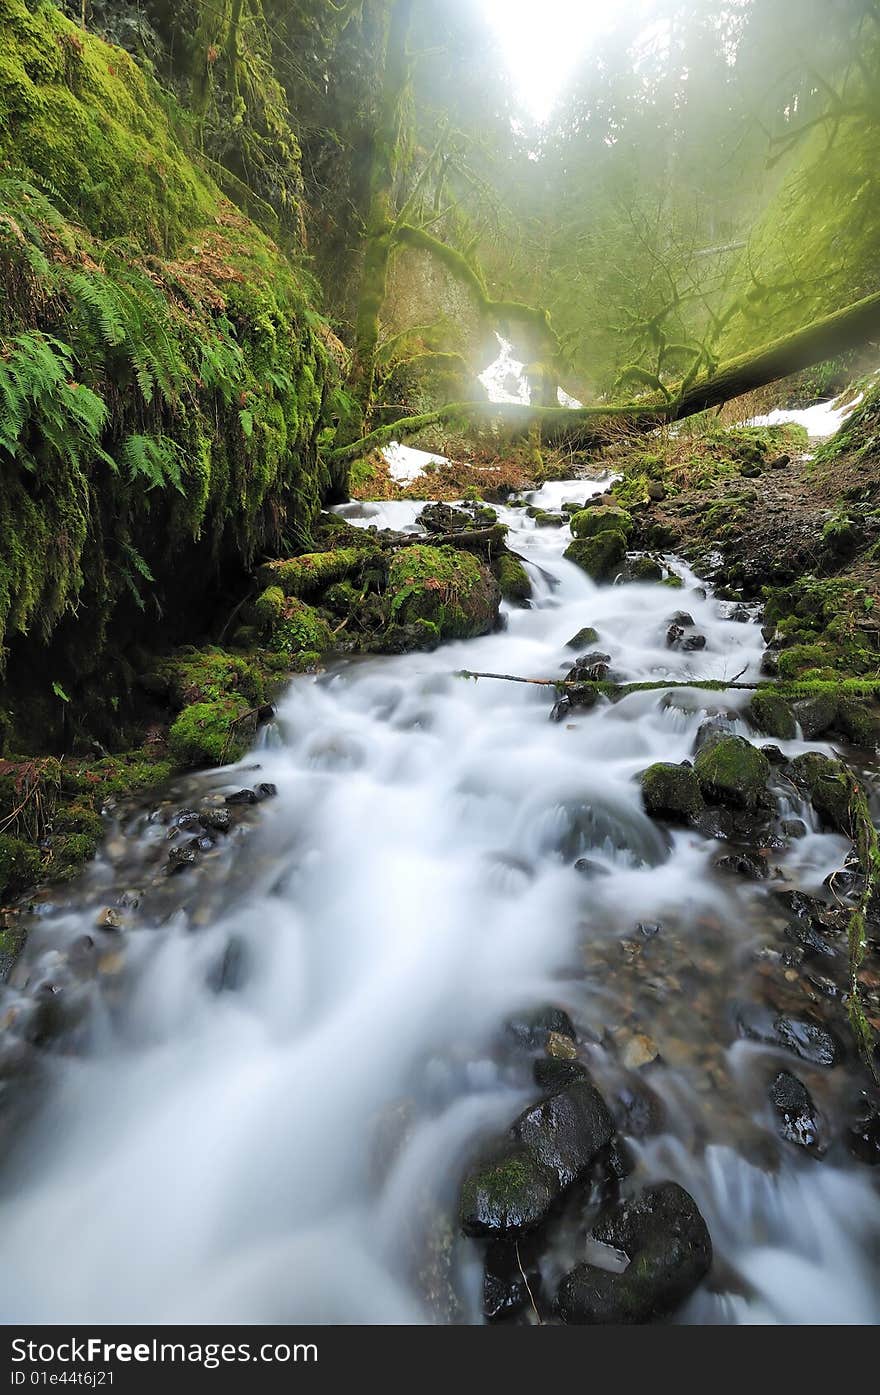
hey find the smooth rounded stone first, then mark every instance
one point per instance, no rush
(561, 708)
(589, 668)
(712, 730)
(583, 638)
(812, 922)
(561, 1047)
(671, 792)
(243, 796)
(731, 825)
(682, 618)
(585, 867)
(649, 928)
(553, 1073)
(111, 918)
(566, 1131)
(640, 1112)
(638, 1050)
(808, 1040)
(670, 1253)
(656, 492)
(690, 643)
(185, 818)
(780, 462)
(508, 1197)
(732, 771)
(798, 1118)
(744, 864)
(508, 1275)
(218, 820)
(130, 899)
(863, 1135)
(645, 569)
(265, 790)
(532, 1029)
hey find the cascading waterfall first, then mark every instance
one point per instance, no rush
(285, 1067)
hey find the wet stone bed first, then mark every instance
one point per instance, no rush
(385, 1024)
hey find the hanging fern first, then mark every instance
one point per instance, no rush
(43, 406)
(155, 459)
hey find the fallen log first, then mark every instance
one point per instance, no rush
(849, 328)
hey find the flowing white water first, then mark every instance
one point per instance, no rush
(291, 1150)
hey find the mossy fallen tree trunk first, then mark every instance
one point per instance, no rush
(849, 328)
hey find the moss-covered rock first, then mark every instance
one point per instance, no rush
(589, 522)
(584, 639)
(600, 556)
(20, 865)
(732, 771)
(772, 715)
(444, 586)
(300, 632)
(671, 792)
(816, 714)
(211, 733)
(311, 573)
(645, 569)
(508, 1197)
(512, 578)
(829, 786)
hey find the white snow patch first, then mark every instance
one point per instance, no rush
(566, 400)
(405, 463)
(822, 419)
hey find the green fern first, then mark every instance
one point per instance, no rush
(155, 459)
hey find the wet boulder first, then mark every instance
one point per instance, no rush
(828, 785)
(508, 1196)
(584, 638)
(553, 1073)
(589, 668)
(668, 1245)
(744, 864)
(599, 519)
(772, 715)
(671, 792)
(732, 772)
(511, 1281)
(566, 1131)
(513, 579)
(532, 1029)
(645, 569)
(798, 1119)
(601, 556)
(807, 1039)
(863, 1135)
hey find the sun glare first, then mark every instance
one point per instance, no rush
(542, 41)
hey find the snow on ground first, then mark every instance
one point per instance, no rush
(405, 463)
(822, 419)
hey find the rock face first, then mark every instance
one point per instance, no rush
(670, 1252)
(731, 771)
(550, 1146)
(671, 792)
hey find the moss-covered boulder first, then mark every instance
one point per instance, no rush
(600, 556)
(816, 714)
(508, 1197)
(671, 792)
(589, 522)
(731, 771)
(858, 722)
(512, 578)
(211, 733)
(445, 587)
(771, 714)
(828, 784)
(312, 572)
(20, 865)
(645, 569)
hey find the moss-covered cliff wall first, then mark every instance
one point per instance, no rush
(163, 377)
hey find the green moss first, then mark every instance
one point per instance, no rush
(671, 791)
(210, 733)
(301, 631)
(732, 771)
(645, 569)
(772, 715)
(601, 557)
(512, 578)
(210, 675)
(829, 786)
(269, 606)
(587, 523)
(20, 865)
(448, 587)
(584, 638)
(309, 574)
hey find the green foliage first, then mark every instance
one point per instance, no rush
(443, 586)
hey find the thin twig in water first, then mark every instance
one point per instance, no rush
(528, 1285)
